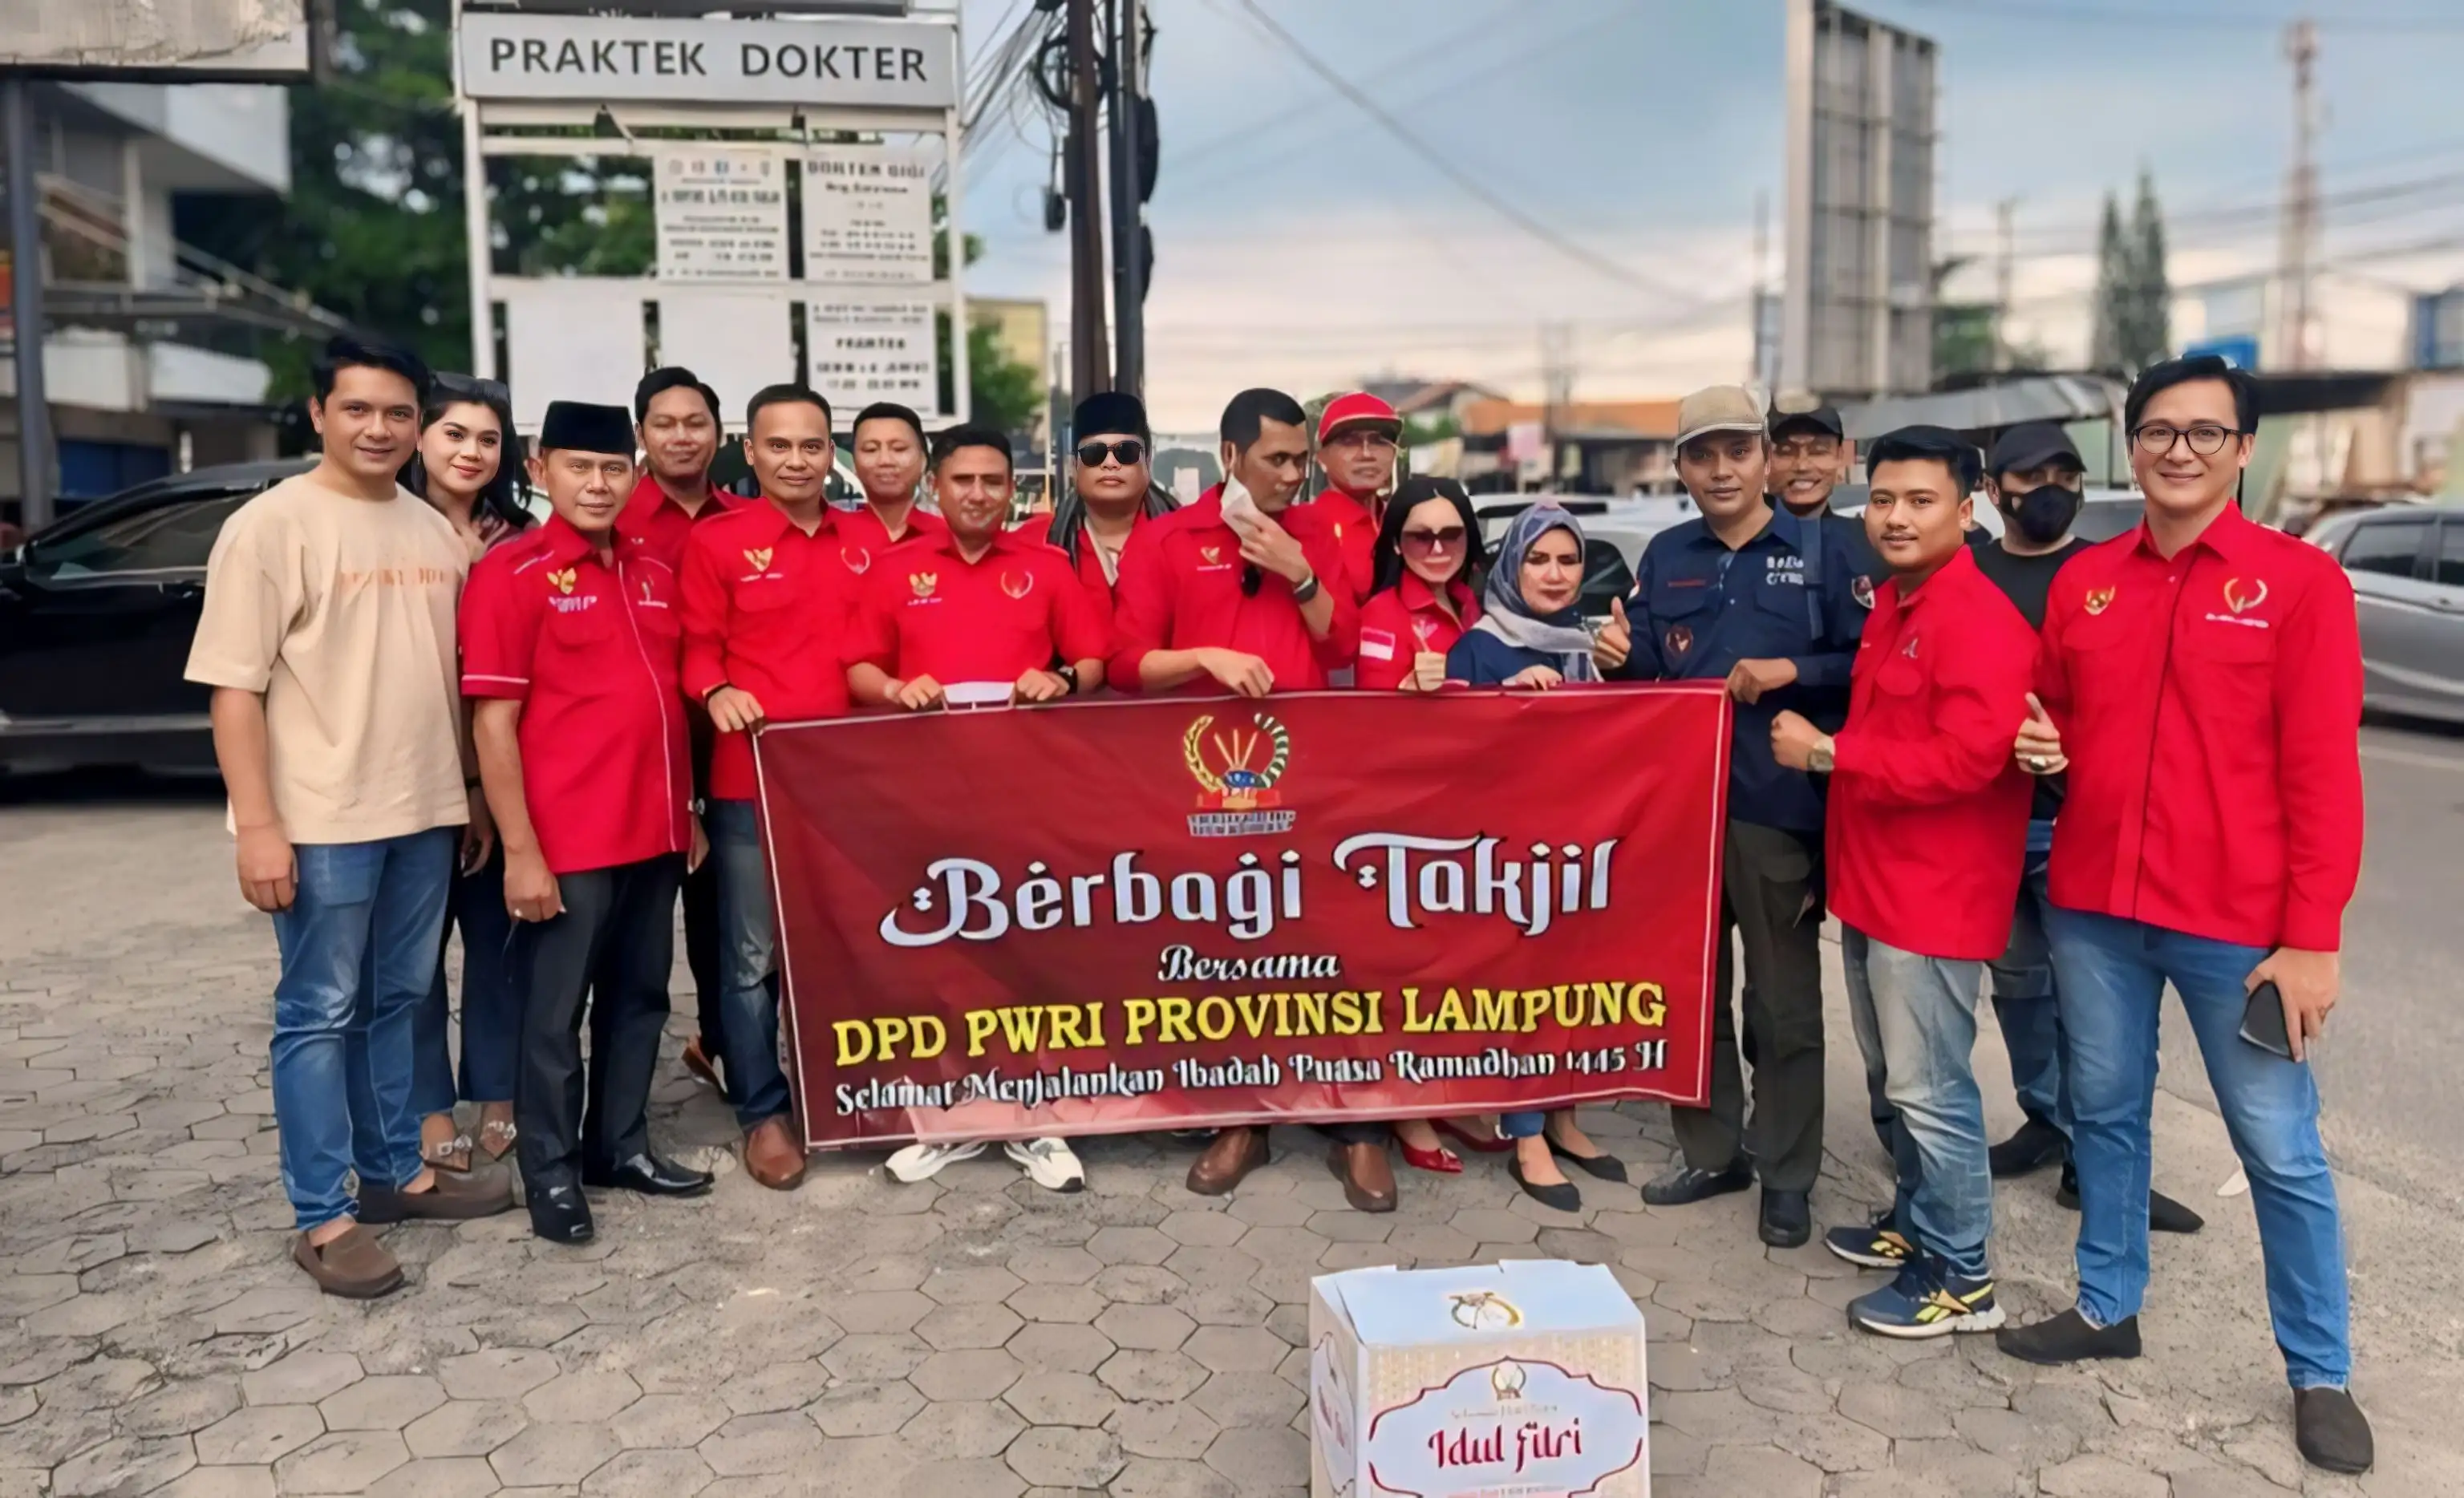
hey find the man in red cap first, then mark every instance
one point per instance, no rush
(1356, 436)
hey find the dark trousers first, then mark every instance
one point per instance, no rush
(703, 943)
(612, 946)
(1357, 1133)
(1768, 900)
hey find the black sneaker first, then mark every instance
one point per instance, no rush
(2165, 1215)
(1683, 1185)
(1876, 1247)
(2037, 1145)
(2331, 1430)
(1787, 1217)
(2068, 1338)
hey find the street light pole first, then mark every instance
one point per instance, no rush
(1091, 366)
(26, 305)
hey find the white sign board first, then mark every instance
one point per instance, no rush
(864, 352)
(868, 215)
(186, 40)
(571, 340)
(737, 342)
(722, 214)
(833, 61)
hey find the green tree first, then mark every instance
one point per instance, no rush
(2116, 278)
(2150, 325)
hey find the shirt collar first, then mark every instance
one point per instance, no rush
(1783, 527)
(1964, 560)
(561, 543)
(2229, 534)
(769, 522)
(647, 496)
(1417, 595)
(946, 541)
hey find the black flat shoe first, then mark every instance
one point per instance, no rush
(2331, 1430)
(2165, 1215)
(1683, 1185)
(1563, 1195)
(1787, 1217)
(2068, 1338)
(2036, 1145)
(561, 1214)
(652, 1177)
(1599, 1167)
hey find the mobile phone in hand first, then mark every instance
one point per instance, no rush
(2262, 1022)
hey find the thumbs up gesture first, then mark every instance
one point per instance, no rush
(2039, 745)
(1614, 641)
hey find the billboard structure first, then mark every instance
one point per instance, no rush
(1856, 317)
(793, 154)
(164, 41)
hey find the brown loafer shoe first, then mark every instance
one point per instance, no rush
(354, 1265)
(1367, 1175)
(1227, 1162)
(772, 1155)
(697, 1062)
(453, 1199)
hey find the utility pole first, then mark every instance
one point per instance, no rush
(26, 305)
(1090, 371)
(1557, 394)
(2004, 259)
(2299, 256)
(1759, 369)
(1126, 20)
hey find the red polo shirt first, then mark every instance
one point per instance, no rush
(925, 611)
(765, 610)
(1928, 823)
(1354, 529)
(1181, 590)
(2210, 706)
(1090, 561)
(1403, 621)
(658, 527)
(589, 650)
(864, 535)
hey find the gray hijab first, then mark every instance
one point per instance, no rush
(1508, 616)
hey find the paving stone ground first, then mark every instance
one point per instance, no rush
(972, 1337)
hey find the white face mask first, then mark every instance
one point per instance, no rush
(1240, 506)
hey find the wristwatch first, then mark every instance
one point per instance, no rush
(1822, 755)
(1068, 673)
(1305, 589)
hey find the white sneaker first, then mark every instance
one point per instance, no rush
(1050, 1163)
(924, 1161)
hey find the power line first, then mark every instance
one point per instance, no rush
(1438, 160)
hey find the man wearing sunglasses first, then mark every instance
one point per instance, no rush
(2202, 685)
(1356, 436)
(1111, 494)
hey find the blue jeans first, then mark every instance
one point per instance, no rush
(748, 976)
(1919, 1013)
(2113, 976)
(1521, 1126)
(492, 1003)
(2025, 1005)
(358, 954)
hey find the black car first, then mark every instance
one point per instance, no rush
(95, 615)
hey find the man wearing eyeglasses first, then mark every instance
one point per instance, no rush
(1356, 437)
(2202, 686)
(1111, 496)
(1244, 592)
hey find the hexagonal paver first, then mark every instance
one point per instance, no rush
(127, 1465)
(978, 1477)
(389, 1402)
(1248, 1398)
(1225, 1305)
(254, 1437)
(464, 1428)
(439, 1477)
(762, 1444)
(543, 1456)
(181, 1408)
(1220, 1229)
(345, 1462)
(867, 1409)
(271, 1308)
(300, 1379)
(1257, 1458)
(500, 1373)
(581, 1398)
(1170, 1432)
(1057, 1303)
(963, 1429)
(651, 1474)
(1061, 1349)
(1063, 1398)
(669, 1419)
(1065, 1457)
(981, 1374)
(1131, 1246)
(1053, 1265)
(83, 1316)
(1150, 1376)
(965, 1326)
(1153, 1329)
(864, 1358)
(987, 1286)
(880, 1312)
(1236, 1349)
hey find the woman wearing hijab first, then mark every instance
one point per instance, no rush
(1531, 635)
(468, 466)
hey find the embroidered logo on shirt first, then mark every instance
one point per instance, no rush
(1377, 644)
(1861, 588)
(858, 559)
(563, 581)
(1909, 649)
(1212, 554)
(2242, 596)
(923, 582)
(758, 559)
(1018, 584)
(2098, 600)
(1424, 631)
(1681, 639)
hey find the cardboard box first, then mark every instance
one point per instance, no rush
(1522, 1380)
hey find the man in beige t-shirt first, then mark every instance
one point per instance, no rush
(327, 635)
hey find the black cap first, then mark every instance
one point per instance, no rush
(2033, 443)
(1792, 409)
(1110, 411)
(579, 427)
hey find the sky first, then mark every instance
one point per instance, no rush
(1300, 244)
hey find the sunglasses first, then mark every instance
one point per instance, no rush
(473, 388)
(1128, 453)
(1428, 544)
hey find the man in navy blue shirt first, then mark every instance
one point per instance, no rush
(1741, 595)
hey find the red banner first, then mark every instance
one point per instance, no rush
(1167, 912)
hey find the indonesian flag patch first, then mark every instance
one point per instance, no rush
(1377, 644)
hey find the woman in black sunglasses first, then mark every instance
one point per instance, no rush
(1425, 583)
(468, 466)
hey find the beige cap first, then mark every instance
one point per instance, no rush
(1723, 407)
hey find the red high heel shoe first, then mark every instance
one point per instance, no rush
(1440, 1161)
(1491, 1144)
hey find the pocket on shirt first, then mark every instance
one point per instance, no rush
(766, 595)
(583, 626)
(1902, 678)
(2229, 667)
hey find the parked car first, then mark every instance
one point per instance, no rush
(2407, 563)
(95, 615)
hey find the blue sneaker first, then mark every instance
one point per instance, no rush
(1879, 1246)
(1926, 1300)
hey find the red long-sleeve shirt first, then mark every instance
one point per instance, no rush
(1179, 589)
(1927, 822)
(1354, 528)
(767, 609)
(2210, 708)
(1398, 624)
